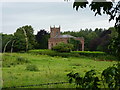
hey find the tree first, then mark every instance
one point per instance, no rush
(98, 31)
(24, 38)
(88, 35)
(42, 39)
(105, 7)
(111, 74)
(6, 42)
(102, 42)
(75, 43)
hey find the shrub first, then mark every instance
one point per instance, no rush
(22, 60)
(62, 47)
(9, 61)
(90, 53)
(32, 68)
(89, 81)
(110, 77)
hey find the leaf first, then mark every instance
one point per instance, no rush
(70, 80)
(80, 3)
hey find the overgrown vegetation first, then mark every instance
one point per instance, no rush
(53, 53)
(51, 69)
(63, 47)
(110, 78)
(95, 40)
(89, 81)
(76, 44)
(9, 60)
(91, 54)
(31, 67)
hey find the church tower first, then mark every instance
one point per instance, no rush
(54, 31)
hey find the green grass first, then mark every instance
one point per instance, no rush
(92, 54)
(51, 69)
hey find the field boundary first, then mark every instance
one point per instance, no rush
(35, 85)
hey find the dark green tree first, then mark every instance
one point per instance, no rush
(24, 38)
(42, 39)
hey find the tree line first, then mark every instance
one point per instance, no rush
(24, 39)
(96, 40)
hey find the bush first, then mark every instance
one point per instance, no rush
(53, 53)
(110, 77)
(10, 60)
(32, 68)
(90, 53)
(22, 60)
(62, 47)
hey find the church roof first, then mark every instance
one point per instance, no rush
(64, 36)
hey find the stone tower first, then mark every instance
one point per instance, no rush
(54, 31)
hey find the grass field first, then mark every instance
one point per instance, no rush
(51, 69)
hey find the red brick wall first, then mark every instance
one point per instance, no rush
(54, 31)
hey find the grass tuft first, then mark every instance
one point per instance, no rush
(32, 68)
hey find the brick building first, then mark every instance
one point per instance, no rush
(56, 37)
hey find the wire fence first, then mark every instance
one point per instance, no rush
(35, 85)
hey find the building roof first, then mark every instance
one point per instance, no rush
(64, 36)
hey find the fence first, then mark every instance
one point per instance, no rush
(35, 85)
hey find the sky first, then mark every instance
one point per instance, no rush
(42, 15)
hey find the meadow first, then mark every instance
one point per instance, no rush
(51, 69)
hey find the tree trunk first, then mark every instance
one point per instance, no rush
(12, 46)
(26, 39)
(6, 46)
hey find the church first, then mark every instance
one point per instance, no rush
(56, 37)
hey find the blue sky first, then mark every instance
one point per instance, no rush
(42, 15)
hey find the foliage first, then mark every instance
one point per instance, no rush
(22, 60)
(5, 39)
(20, 41)
(75, 43)
(95, 40)
(89, 81)
(51, 69)
(42, 39)
(102, 42)
(104, 7)
(109, 76)
(9, 60)
(32, 68)
(53, 53)
(109, 8)
(62, 47)
(92, 54)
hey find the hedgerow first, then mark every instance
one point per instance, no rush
(91, 54)
(63, 47)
